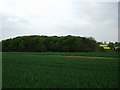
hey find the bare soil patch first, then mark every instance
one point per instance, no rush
(86, 57)
(79, 56)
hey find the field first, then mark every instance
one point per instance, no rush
(55, 70)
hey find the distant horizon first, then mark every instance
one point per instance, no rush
(56, 35)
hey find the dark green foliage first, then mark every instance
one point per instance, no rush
(29, 70)
(101, 49)
(50, 43)
(111, 45)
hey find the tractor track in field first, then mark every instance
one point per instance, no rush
(87, 57)
(80, 56)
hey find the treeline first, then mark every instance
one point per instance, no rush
(37, 43)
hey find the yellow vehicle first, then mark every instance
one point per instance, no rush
(105, 46)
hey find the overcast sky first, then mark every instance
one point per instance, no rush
(59, 17)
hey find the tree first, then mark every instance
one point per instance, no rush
(111, 45)
(42, 43)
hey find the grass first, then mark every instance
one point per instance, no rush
(91, 54)
(25, 70)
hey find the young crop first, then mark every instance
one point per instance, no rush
(41, 70)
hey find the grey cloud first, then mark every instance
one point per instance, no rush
(98, 20)
(13, 26)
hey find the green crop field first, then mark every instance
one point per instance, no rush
(42, 70)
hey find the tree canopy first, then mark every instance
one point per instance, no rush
(42, 43)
